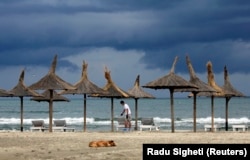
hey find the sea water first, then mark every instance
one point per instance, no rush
(99, 112)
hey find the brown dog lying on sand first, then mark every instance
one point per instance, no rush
(102, 143)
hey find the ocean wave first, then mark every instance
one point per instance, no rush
(103, 121)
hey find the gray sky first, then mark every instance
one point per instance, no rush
(129, 37)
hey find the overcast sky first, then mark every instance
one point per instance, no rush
(129, 37)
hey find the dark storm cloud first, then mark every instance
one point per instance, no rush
(33, 31)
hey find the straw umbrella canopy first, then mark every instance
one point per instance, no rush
(172, 82)
(112, 91)
(4, 93)
(21, 90)
(84, 86)
(46, 97)
(202, 87)
(138, 92)
(211, 82)
(51, 82)
(230, 91)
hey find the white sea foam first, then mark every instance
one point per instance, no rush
(92, 121)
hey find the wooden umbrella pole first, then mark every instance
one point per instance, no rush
(84, 113)
(21, 127)
(136, 114)
(137, 92)
(112, 114)
(194, 110)
(226, 116)
(172, 108)
(212, 114)
(50, 110)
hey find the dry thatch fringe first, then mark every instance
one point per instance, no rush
(174, 64)
(228, 88)
(53, 65)
(170, 81)
(190, 68)
(51, 80)
(107, 75)
(84, 85)
(112, 88)
(211, 80)
(137, 81)
(4, 93)
(137, 91)
(202, 86)
(21, 90)
(21, 78)
(84, 70)
(226, 77)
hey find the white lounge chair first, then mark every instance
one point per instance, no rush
(60, 125)
(38, 125)
(148, 123)
(238, 127)
(120, 123)
(208, 127)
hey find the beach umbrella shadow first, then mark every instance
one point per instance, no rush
(112, 91)
(21, 91)
(84, 86)
(172, 82)
(137, 92)
(51, 82)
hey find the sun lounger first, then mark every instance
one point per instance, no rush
(238, 127)
(38, 125)
(60, 125)
(120, 124)
(148, 123)
(208, 127)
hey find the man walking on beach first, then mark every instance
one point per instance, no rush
(127, 112)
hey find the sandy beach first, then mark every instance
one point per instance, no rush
(74, 145)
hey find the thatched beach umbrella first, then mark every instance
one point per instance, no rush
(46, 97)
(226, 91)
(84, 86)
(21, 90)
(170, 81)
(230, 91)
(51, 82)
(202, 87)
(112, 91)
(138, 92)
(219, 91)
